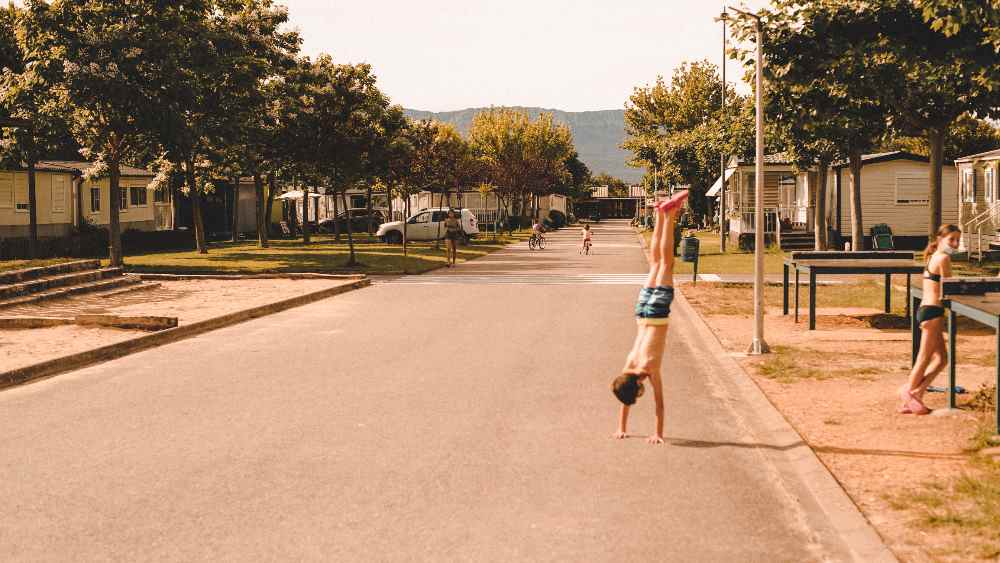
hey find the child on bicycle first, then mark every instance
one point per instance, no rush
(536, 230)
(588, 239)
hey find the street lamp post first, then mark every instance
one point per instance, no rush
(758, 345)
(724, 18)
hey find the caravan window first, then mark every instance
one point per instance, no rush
(912, 188)
(137, 196)
(969, 186)
(991, 185)
(95, 200)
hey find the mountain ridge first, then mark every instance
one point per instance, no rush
(598, 134)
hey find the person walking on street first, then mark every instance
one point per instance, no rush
(453, 230)
(932, 356)
(652, 312)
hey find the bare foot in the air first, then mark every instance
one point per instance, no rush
(654, 439)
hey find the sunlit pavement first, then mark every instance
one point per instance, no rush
(462, 415)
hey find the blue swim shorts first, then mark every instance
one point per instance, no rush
(653, 305)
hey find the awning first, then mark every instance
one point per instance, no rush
(717, 186)
(297, 195)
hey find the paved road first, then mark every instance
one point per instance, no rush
(463, 415)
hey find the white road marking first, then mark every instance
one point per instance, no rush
(520, 279)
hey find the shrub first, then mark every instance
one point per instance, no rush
(558, 218)
(92, 242)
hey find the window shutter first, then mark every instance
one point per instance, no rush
(58, 194)
(911, 188)
(21, 192)
(6, 191)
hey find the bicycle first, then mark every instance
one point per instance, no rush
(586, 247)
(536, 242)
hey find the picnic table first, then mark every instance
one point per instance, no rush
(974, 298)
(815, 264)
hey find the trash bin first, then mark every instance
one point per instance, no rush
(690, 250)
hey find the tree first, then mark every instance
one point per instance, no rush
(678, 131)
(826, 86)
(978, 18)
(520, 157)
(265, 53)
(968, 135)
(935, 79)
(116, 62)
(337, 123)
(25, 95)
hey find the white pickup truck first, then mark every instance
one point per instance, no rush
(427, 224)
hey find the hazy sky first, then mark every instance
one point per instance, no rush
(573, 55)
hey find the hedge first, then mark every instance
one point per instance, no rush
(93, 243)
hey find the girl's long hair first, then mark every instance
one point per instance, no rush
(942, 232)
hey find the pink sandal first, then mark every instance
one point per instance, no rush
(915, 406)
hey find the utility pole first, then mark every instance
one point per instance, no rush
(724, 18)
(758, 346)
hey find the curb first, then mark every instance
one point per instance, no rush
(82, 359)
(825, 508)
(288, 276)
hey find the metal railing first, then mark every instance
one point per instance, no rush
(977, 241)
(772, 222)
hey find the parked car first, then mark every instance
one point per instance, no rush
(359, 221)
(427, 224)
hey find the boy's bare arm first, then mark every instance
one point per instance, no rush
(622, 423)
(657, 385)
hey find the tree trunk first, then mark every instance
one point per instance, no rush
(114, 221)
(369, 210)
(293, 217)
(197, 217)
(336, 217)
(236, 209)
(78, 201)
(857, 225)
(437, 241)
(935, 141)
(819, 221)
(406, 221)
(272, 190)
(352, 259)
(32, 212)
(258, 189)
(305, 215)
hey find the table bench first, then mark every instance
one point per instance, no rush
(815, 264)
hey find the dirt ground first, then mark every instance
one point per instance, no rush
(837, 386)
(189, 300)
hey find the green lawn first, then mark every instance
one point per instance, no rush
(734, 261)
(7, 265)
(737, 299)
(322, 255)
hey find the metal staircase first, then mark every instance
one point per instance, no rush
(982, 234)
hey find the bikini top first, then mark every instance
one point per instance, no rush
(933, 277)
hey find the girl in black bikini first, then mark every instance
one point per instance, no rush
(932, 356)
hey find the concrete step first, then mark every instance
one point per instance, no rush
(51, 282)
(95, 286)
(18, 276)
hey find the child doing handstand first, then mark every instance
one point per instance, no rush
(652, 311)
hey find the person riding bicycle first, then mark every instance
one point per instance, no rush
(588, 239)
(537, 230)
